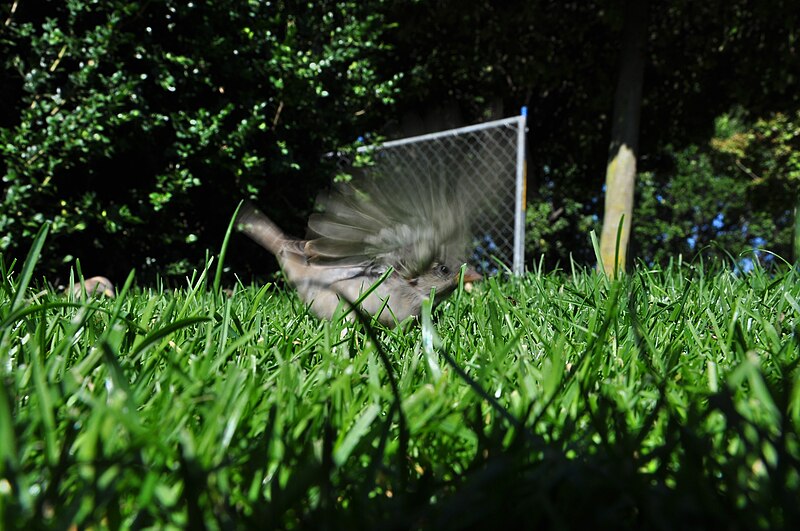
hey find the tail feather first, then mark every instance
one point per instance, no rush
(260, 228)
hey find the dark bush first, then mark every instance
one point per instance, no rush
(137, 127)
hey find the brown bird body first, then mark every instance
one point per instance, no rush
(418, 227)
(93, 286)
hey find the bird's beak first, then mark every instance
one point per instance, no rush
(470, 275)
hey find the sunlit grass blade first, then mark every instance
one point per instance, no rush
(224, 249)
(27, 267)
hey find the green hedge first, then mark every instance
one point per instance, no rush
(136, 127)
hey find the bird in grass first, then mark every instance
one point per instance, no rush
(419, 228)
(93, 286)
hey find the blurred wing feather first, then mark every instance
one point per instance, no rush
(404, 222)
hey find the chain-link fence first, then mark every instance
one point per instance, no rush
(479, 157)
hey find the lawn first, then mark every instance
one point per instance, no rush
(669, 398)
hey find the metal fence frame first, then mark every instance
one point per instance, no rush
(520, 122)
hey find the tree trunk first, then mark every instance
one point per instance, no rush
(621, 167)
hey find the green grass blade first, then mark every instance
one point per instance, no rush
(223, 251)
(27, 268)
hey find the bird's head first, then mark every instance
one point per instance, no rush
(444, 278)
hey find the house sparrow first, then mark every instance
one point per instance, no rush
(93, 286)
(420, 228)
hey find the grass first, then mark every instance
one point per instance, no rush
(667, 398)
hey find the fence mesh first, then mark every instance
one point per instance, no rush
(480, 156)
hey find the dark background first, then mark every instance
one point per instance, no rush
(137, 127)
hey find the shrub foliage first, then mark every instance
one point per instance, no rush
(137, 127)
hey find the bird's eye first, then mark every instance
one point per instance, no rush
(443, 270)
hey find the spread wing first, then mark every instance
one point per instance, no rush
(405, 221)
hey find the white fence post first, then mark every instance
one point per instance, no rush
(519, 212)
